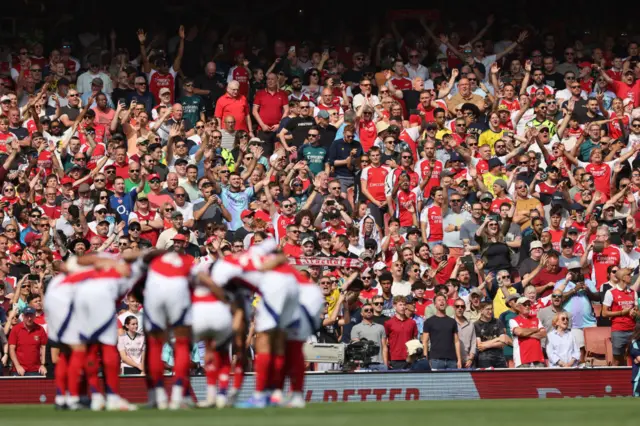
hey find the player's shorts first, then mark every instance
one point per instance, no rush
(95, 314)
(58, 310)
(167, 302)
(310, 306)
(212, 320)
(278, 306)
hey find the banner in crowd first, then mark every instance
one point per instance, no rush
(340, 262)
(385, 386)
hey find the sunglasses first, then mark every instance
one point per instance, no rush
(367, 311)
(378, 303)
(459, 306)
(556, 296)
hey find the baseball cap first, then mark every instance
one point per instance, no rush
(535, 245)
(31, 237)
(176, 214)
(66, 180)
(15, 248)
(210, 240)
(573, 230)
(494, 162)
(413, 346)
(522, 300)
(566, 242)
(28, 311)
(246, 213)
(514, 296)
(142, 196)
(503, 107)
(153, 176)
(415, 119)
(5, 98)
(98, 208)
(164, 90)
(308, 240)
(455, 157)
(475, 291)
(110, 166)
(179, 237)
(413, 230)
(323, 114)
(97, 82)
(379, 266)
(486, 195)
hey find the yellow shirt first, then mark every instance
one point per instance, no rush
(498, 302)
(442, 132)
(332, 300)
(489, 137)
(488, 179)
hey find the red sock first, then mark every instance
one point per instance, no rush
(182, 358)
(295, 365)
(155, 368)
(92, 367)
(238, 376)
(261, 367)
(224, 369)
(211, 371)
(277, 374)
(61, 372)
(111, 362)
(76, 367)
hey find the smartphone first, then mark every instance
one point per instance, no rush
(414, 112)
(33, 277)
(330, 202)
(292, 49)
(337, 82)
(221, 47)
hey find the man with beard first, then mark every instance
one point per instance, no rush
(297, 127)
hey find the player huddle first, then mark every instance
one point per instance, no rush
(210, 302)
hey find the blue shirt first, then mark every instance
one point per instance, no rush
(579, 306)
(124, 205)
(235, 203)
(340, 150)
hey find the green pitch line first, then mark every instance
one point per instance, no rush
(565, 412)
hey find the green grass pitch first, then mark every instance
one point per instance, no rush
(567, 412)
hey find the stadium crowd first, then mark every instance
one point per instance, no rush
(471, 199)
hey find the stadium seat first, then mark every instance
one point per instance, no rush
(595, 344)
(608, 351)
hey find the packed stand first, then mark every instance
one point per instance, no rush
(461, 202)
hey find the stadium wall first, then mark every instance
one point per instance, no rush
(387, 386)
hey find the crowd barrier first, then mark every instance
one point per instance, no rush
(387, 386)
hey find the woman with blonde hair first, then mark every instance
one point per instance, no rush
(562, 349)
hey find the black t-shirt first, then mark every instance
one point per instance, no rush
(380, 319)
(70, 112)
(327, 136)
(476, 128)
(299, 127)
(119, 94)
(352, 76)
(617, 227)
(441, 331)
(411, 99)
(555, 81)
(487, 331)
(211, 84)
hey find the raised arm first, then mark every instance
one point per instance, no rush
(146, 65)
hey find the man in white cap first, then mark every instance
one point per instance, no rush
(416, 360)
(527, 332)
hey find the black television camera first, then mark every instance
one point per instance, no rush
(359, 354)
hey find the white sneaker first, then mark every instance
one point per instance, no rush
(232, 397)
(221, 401)
(97, 402)
(120, 404)
(276, 398)
(162, 402)
(296, 402)
(208, 403)
(73, 403)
